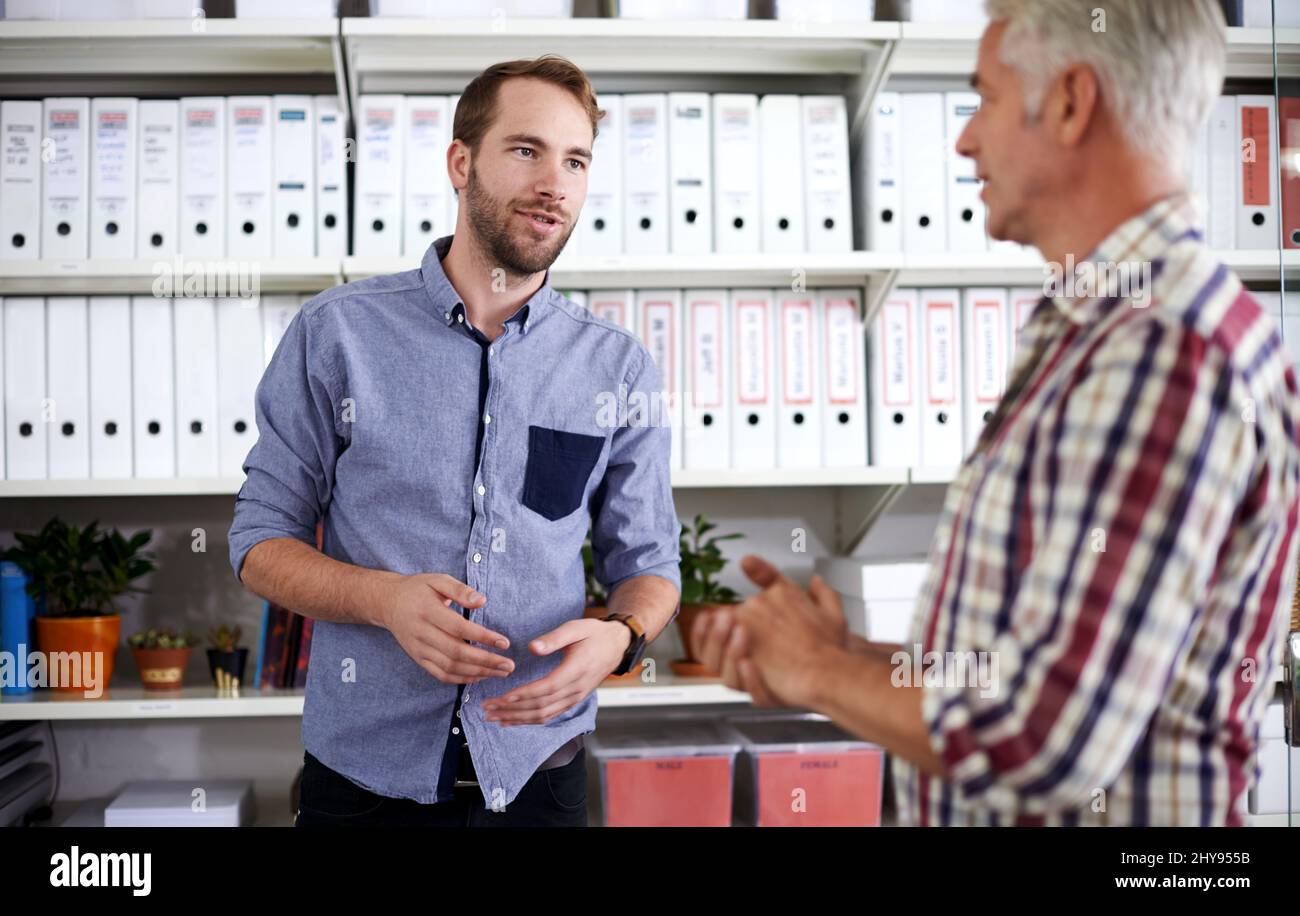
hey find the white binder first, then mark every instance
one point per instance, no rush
(24, 377)
(829, 212)
(158, 179)
(782, 195)
(277, 312)
(645, 173)
(923, 171)
(331, 180)
(752, 333)
(197, 454)
(1224, 139)
(1257, 201)
(153, 391)
(939, 362)
(111, 425)
(1022, 302)
(20, 180)
(844, 407)
(616, 306)
(239, 369)
(895, 423)
(884, 203)
(293, 181)
(659, 321)
(600, 226)
(737, 175)
(965, 209)
(985, 318)
(66, 181)
(425, 161)
(690, 164)
(798, 411)
(249, 178)
(68, 387)
(377, 230)
(114, 131)
(203, 177)
(707, 418)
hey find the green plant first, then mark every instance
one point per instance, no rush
(224, 638)
(162, 639)
(701, 561)
(77, 571)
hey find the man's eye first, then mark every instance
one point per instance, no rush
(524, 149)
(578, 163)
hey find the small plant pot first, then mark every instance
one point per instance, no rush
(691, 665)
(162, 669)
(80, 636)
(233, 663)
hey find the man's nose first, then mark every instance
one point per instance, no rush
(966, 145)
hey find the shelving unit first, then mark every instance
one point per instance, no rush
(207, 703)
(140, 276)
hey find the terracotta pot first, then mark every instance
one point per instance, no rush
(686, 622)
(79, 635)
(162, 669)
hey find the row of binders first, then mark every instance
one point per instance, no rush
(1234, 171)
(671, 173)
(239, 177)
(762, 379)
(134, 386)
(920, 194)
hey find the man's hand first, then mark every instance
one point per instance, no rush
(592, 649)
(418, 612)
(723, 639)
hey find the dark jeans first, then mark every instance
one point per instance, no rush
(551, 798)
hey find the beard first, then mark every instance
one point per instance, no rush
(491, 219)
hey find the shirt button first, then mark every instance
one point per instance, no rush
(491, 351)
(478, 557)
(455, 731)
(460, 319)
(481, 489)
(446, 315)
(487, 418)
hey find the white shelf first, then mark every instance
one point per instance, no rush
(206, 703)
(166, 48)
(951, 49)
(141, 276)
(229, 486)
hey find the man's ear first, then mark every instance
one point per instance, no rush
(458, 160)
(1073, 104)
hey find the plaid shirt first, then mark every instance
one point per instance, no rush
(1121, 542)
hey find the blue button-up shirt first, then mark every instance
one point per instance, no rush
(367, 417)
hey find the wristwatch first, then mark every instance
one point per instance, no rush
(636, 648)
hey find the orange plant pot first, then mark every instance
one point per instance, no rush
(161, 669)
(80, 635)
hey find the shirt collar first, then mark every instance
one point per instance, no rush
(447, 303)
(1134, 247)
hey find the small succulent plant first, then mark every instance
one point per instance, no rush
(162, 639)
(224, 638)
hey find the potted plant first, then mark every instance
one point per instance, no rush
(74, 574)
(161, 656)
(596, 607)
(701, 561)
(226, 657)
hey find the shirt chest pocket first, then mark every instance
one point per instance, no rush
(559, 464)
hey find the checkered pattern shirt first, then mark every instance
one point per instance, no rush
(1121, 542)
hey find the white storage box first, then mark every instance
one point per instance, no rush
(826, 11)
(948, 11)
(683, 9)
(285, 9)
(172, 803)
(472, 9)
(1270, 795)
(879, 598)
(100, 9)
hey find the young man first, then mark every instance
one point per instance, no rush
(445, 425)
(1119, 548)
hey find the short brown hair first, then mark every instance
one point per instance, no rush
(477, 106)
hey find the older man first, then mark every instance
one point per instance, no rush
(1120, 543)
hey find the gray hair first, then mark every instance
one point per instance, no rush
(1159, 63)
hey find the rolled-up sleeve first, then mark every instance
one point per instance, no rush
(290, 469)
(634, 529)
